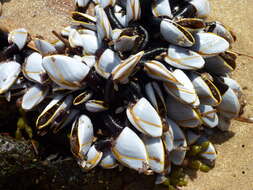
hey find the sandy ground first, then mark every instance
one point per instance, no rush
(234, 168)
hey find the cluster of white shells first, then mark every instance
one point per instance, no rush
(184, 90)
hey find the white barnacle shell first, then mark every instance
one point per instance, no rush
(183, 92)
(222, 31)
(66, 31)
(81, 136)
(95, 106)
(144, 117)
(161, 8)
(87, 31)
(123, 42)
(90, 44)
(183, 114)
(183, 58)
(234, 85)
(209, 44)
(219, 66)
(208, 115)
(156, 153)
(9, 72)
(155, 96)
(202, 7)
(106, 3)
(104, 29)
(178, 153)
(44, 47)
(93, 158)
(209, 153)
(176, 34)
(33, 69)
(157, 70)
(75, 39)
(124, 70)
(89, 60)
(207, 92)
(33, 97)
(59, 45)
(230, 105)
(65, 71)
(133, 10)
(56, 107)
(18, 37)
(107, 62)
(108, 160)
(82, 3)
(168, 137)
(130, 150)
(122, 18)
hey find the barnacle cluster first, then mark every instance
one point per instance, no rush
(139, 81)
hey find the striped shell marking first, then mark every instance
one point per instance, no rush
(132, 155)
(82, 97)
(183, 114)
(209, 153)
(33, 97)
(230, 105)
(124, 70)
(183, 58)
(95, 106)
(158, 71)
(161, 8)
(193, 25)
(108, 161)
(144, 117)
(207, 92)
(178, 153)
(93, 158)
(85, 20)
(44, 47)
(107, 62)
(217, 65)
(65, 71)
(155, 96)
(209, 44)
(33, 69)
(175, 34)
(185, 92)
(133, 10)
(156, 153)
(75, 39)
(56, 107)
(18, 37)
(104, 29)
(81, 136)
(208, 115)
(168, 137)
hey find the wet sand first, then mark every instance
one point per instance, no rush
(234, 166)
